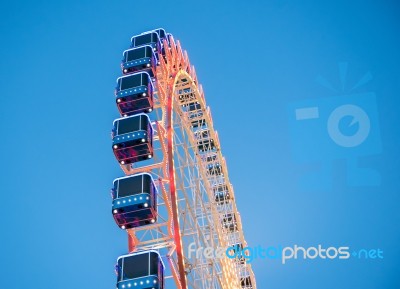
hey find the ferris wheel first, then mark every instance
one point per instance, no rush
(175, 202)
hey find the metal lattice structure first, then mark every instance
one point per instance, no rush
(196, 203)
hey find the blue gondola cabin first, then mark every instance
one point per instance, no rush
(150, 38)
(132, 139)
(134, 201)
(139, 59)
(134, 93)
(153, 38)
(141, 270)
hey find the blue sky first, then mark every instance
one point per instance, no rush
(257, 60)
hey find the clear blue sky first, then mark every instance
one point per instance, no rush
(257, 60)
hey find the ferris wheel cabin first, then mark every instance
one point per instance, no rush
(134, 201)
(142, 270)
(139, 59)
(134, 93)
(132, 139)
(152, 38)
